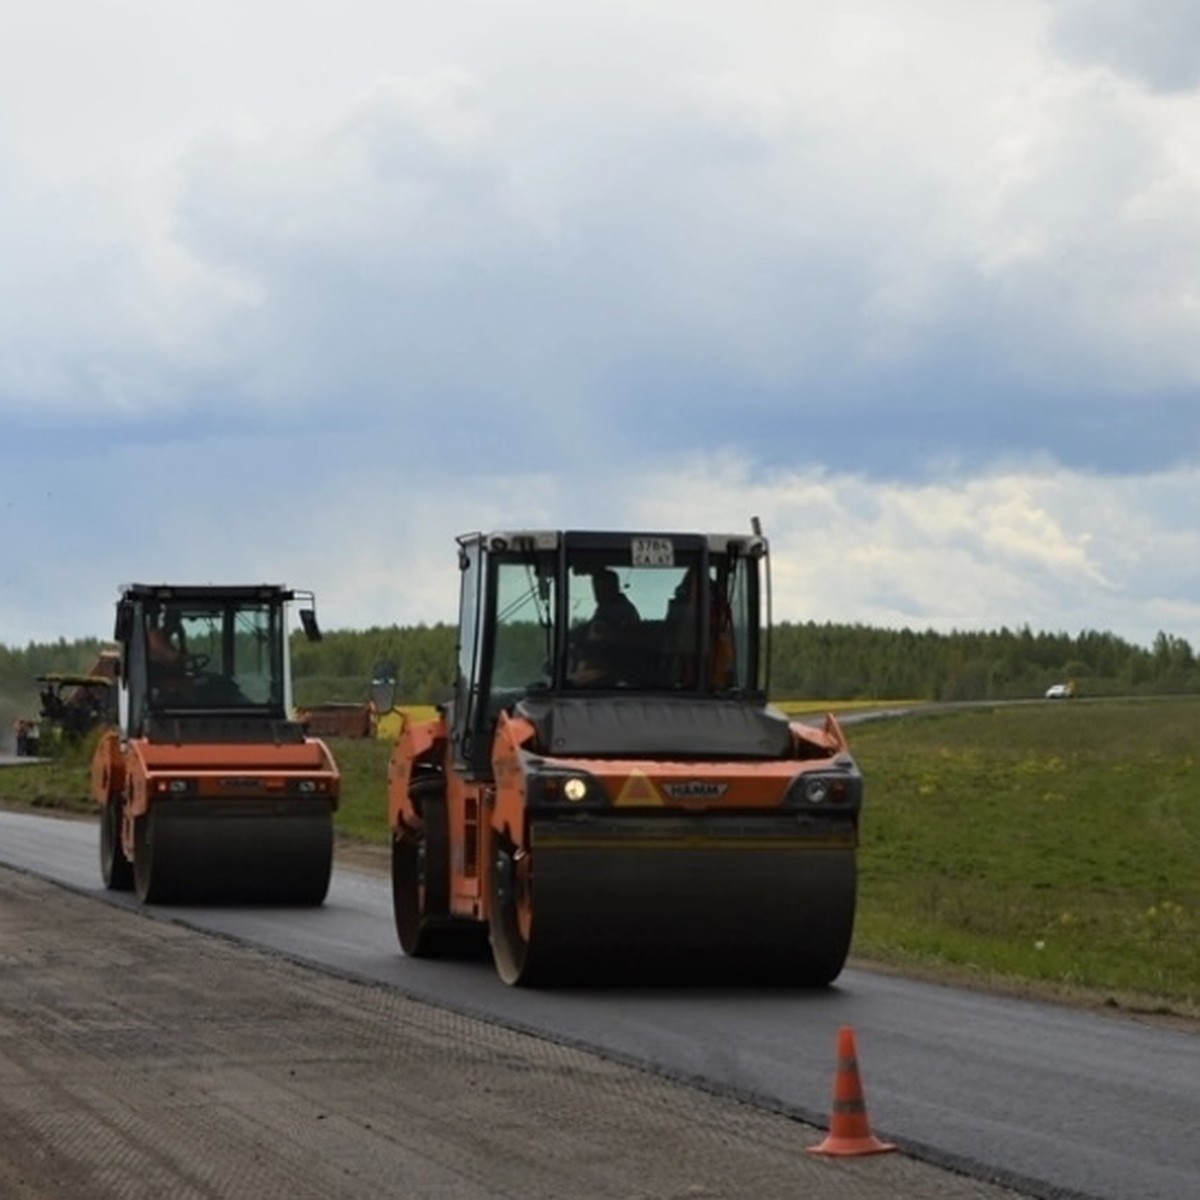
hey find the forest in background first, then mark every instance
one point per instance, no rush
(809, 660)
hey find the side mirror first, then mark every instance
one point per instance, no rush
(308, 618)
(383, 694)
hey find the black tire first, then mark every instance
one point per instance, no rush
(421, 885)
(115, 869)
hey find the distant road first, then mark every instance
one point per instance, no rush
(11, 760)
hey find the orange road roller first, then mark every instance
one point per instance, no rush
(209, 791)
(608, 795)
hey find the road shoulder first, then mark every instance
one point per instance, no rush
(134, 1049)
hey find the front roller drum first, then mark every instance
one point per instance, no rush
(671, 901)
(228, 852)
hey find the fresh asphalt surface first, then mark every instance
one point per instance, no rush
(1053, 1101)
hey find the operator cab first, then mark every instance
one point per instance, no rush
(195, 654)
(579, 617)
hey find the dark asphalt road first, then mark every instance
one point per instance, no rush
(1055, 1101)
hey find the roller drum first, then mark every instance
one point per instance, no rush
(724, 901)
(234, 852)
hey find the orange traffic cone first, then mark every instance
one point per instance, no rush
(849, 1129)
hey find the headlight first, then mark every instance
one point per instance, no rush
(816, 791)
(560, 787)
(825, 789)
(174, 787)
(307, 787)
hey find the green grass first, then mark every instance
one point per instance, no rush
(1054, 843)
(1051, 846)
(59, 784)
(362, 813)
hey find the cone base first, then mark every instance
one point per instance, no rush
(844, 1147)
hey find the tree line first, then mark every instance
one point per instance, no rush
(848, 662)
(809, 660)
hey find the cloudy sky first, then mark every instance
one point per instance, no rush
(298, 291)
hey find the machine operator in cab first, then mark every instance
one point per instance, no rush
(603, 645)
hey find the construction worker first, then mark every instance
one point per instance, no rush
(169, 675)
(165, 646)
(603, 643)
(682, 631)
(615, 612)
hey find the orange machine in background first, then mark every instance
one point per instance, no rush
(209, 790)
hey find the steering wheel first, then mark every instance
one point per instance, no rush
(193, 664)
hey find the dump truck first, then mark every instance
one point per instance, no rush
(608, 793)
(209, 790)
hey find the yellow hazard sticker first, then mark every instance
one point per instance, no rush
(638, 790)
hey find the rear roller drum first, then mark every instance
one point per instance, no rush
(421, 884)
(115, 869)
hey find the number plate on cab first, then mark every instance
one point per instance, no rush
(652, 552)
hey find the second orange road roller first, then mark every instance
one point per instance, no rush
(608, 794)
(209, 791)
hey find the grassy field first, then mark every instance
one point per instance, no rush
(1056, 843)
(363, 810)
(1048, 846)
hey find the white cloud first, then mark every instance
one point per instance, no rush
(1154, 41)
(790, 195)
(1049, 548)
(324, 284)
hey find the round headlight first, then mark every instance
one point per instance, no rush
(816, 791)
(575, 789)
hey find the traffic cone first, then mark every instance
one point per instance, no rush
(849, 1129)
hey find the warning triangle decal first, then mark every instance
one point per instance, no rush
(638, 790)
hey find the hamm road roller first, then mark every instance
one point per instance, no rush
(209, 791)
(608, 794)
